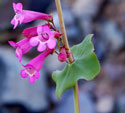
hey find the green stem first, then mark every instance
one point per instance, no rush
(71, 60)
(76, 98)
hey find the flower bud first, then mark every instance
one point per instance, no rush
(62, 55)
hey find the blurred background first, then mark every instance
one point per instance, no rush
(105, 94)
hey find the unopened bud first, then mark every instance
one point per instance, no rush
(62, 55)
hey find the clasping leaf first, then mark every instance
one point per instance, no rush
(86, 66)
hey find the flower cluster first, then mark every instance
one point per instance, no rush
(44, 37)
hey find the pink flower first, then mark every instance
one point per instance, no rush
(25, 16)
(34, 66)
(44, 38)
(62, 55)
(22, 47)
(32, 32)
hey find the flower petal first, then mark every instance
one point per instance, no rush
(23, 73)
(21, 19)
(37, 75)
(32, 15)
(39, 30)
(32, 79)
(51, 43)
(38, 61)
(19, 6)
(41, 47)
(19, 54)
(24, 45)
(30, 32)
(47, 29)
(34, 41)
(14, 6)
(13, 44)
(14, 22)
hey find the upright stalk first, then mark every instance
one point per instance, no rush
(76, 98)
(71, 60)
(62, 27)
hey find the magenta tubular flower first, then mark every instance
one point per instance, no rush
(62, 55)
(44, 38)
(22, 47)
(34, 66)
(25, 16)
(32, 32)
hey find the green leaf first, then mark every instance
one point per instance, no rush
(86, 66)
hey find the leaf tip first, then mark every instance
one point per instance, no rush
(58, 95)
(90, 35)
